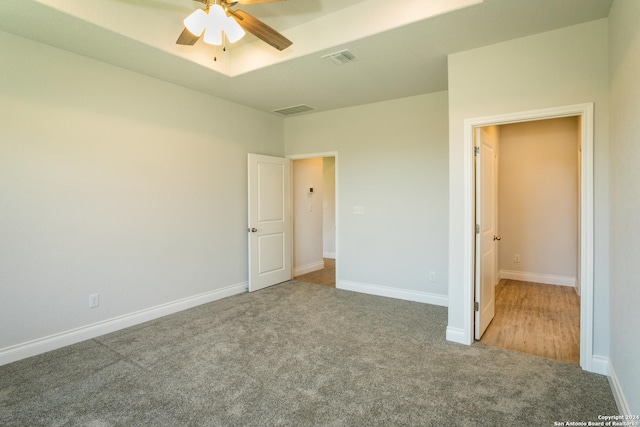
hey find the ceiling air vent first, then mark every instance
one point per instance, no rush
(340, 57)
(296, 109)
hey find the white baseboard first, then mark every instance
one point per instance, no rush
(309, 268)
(599, 365)
(73, 336)
(537, 278)
(386, 291)
(618, 395)
(457, 335)
(331, 255)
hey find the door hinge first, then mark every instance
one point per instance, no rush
(477, 228)
(476, 151)
(476, 306)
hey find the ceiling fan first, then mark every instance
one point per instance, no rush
(223, 8)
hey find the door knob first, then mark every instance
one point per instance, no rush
(252, 229)
(497, 238)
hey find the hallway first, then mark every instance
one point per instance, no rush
(324, 277)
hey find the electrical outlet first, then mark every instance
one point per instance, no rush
(432, 276)
(516, 258)
(358, 210)
(94, 300)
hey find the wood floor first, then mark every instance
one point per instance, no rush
(536, 318)
(324, 277)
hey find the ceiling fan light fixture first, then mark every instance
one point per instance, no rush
(233, 30)
(213, 23)
(217, 16)
(196, 22)
(213, 36)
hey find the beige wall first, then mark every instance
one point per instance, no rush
(392, 161)
(538, 200)
(624, 45)
(307, 215)
(115, 183)
(558, 68)
(329, 207)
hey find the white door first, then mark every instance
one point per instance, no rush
(269, 221)
(486, 229)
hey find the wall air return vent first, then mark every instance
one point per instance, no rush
(296, 109)
(340, 57)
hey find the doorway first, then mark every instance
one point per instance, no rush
(585, 257)
(314, 210)
(535, 241)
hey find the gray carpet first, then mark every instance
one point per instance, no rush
(296, 355)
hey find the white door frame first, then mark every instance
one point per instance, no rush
(333, 154)
(585, 111)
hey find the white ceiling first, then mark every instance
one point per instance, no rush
(401, 47)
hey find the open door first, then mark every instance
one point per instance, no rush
(486, 229)
(269, 221)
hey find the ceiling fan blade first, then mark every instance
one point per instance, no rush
(187, 38)
(260, 30)
(257, 1)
